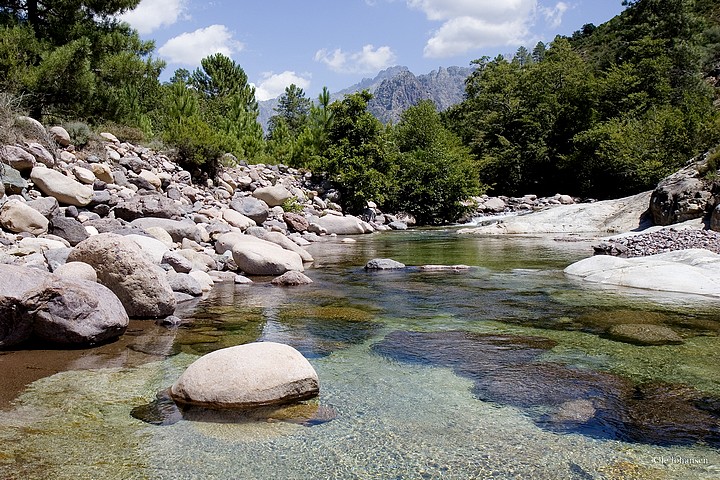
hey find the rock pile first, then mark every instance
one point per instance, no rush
(485, 205)
(660, 241)
(149, 232)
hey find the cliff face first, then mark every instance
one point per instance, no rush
(395, 94)
(396, 89)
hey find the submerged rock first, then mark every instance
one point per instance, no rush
(164, 411)
(250, 375)
(644, 334)
(444, 268)
(508, 369)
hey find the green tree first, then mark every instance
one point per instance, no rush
(359, 158)
(435, 173)
(115, 77)
(312, 142)
(293, 108)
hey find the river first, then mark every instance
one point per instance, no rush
(503, 370)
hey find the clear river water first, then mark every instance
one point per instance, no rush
(501, 371)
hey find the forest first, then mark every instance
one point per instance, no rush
(603, 113)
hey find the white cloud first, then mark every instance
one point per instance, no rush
(368, 60)
(554, 15)
(191, 47)
(462, 34)
(150, 15)
(273, 84)
(473, 24)
(492, 11)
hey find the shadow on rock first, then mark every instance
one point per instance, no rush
(507, 370)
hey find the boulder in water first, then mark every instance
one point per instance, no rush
(250, 375)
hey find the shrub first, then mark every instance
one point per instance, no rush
(80, 133)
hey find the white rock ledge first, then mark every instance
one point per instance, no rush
(693, 271)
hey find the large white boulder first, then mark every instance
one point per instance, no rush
(274, 196)
(281, 240)
(250, 375)
(347, 225)
(237, 219)
(66, 190)
(17, 216)
(694, 271)
(259, 257)
(153, 248)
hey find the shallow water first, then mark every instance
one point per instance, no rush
(501, 371)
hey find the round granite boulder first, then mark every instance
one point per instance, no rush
(250, 375)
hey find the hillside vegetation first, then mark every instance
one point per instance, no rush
(606, 112)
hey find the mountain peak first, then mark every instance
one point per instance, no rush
(395, 89)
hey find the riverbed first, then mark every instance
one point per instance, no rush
(502, 370)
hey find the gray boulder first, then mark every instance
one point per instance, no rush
(11, 180)
(383, 264)
(16, 216)
(69, 229)
(56, 257)
(680, 197)
(15, 283)
(66, 311)
(251, 207)
(250, 375)
(63, 188)
(176, 261)
(17, 158)
(15, 327)
(48, 206)
(184, 283)
(121, 266)
(148, 205)
(55, 309)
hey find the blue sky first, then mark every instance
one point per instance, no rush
(334, 43)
